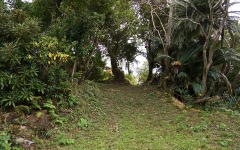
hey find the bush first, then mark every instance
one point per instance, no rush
(19, 75)
(131, 79)
(32, 67)
(231, 102)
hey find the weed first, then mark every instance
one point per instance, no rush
(225, 142)
(226, 134)
(201, 127)
(58, 121)
(5, 141)
(222, 127)
(204, 139)
(22, 109)
(61, 139)
(51, 108)
(151, 94)
(83, 124)
(180, 127)
(72, 100)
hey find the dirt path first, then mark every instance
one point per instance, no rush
(135, 100)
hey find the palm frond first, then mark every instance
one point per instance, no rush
(198, 87)
(221, 56)
(188, 53)
(160, 57)
(218, 57)
(182, 75)
(213, 74)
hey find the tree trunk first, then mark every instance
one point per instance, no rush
(237, 77)
(150, 59)
(150, 68)
(74, 68)
(128, 67)
(222, 37)
(167, 46)
(229, 86)
(118, 74)
(206, 63)
(208, 58)
(232, 38)
(206, 99)
(226, 66)
(168, 39)
(87, 61)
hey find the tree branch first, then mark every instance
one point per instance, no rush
(206, 99)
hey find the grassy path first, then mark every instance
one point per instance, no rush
(133, 118)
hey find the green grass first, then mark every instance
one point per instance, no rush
(131, 118)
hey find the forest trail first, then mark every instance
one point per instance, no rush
(137, 117)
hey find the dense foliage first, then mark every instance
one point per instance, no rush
(32, 64)
(48, 45)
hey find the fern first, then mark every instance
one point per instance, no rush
(51, 108)
(48, 104)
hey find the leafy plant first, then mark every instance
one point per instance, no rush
(61, 139)
(182, 94)
(51, 108)
(70, 102)
(83, 124)
(5, 141)
(131, 79)
(222, 127)
(231, 102)
(22, 109)
(198, 87)
(19, 80)
(225, 142)
(201, 127)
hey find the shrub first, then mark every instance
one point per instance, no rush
(32, 67)
(131, 79)
(19, 75)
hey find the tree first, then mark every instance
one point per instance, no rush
(120, 26)
(152, 17)
(199, 23)
(157, 17)
(46, 11)
(207, 58)
(206, 21)
(81, 22)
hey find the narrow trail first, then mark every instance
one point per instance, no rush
(134, 100)
(136, 117)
